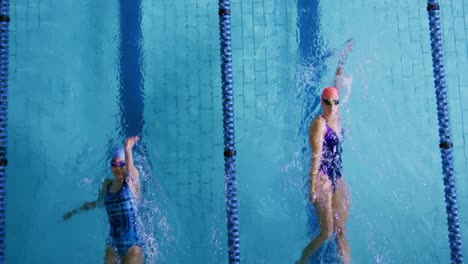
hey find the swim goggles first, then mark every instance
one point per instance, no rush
(330, 102)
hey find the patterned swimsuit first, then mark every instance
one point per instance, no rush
(121, 208)
(331, 156)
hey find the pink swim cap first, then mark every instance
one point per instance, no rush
(330, 92)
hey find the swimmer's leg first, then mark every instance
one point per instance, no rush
(341, 205)
(111, 256)
(134, 255)
(323, 208)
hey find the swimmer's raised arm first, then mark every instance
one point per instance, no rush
(338, 75)
(134, 179)
(341, 64)
(91, 205)
(129, 143)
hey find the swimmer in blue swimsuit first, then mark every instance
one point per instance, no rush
(331, 154)
(329, 193)
(120, 196)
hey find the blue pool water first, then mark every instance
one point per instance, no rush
(68, 107)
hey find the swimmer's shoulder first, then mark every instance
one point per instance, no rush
(318, 124)
(105, 184)
(107, 181)
(319, 121)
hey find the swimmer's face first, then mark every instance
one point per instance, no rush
(118, 167)
(330, 105)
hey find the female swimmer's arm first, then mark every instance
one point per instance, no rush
(132, 170)
(131, 141)
(338, 83)
(91, 205)
(317, 130)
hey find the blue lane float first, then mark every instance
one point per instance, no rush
(232, 202)
(445, 145)
(4, 42)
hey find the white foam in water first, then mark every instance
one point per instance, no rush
(345, 82)
(148, 233)
(218, 250)
(87, 180)
(153, 220)
(159, 223)
(296, 167)
(305, 75)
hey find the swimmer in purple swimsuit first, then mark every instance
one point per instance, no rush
(329, 192)
(120, 197)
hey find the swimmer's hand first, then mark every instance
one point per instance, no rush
(349, 46)
(69, 215)
(313, 186)
(85, 207)
(131, 141)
